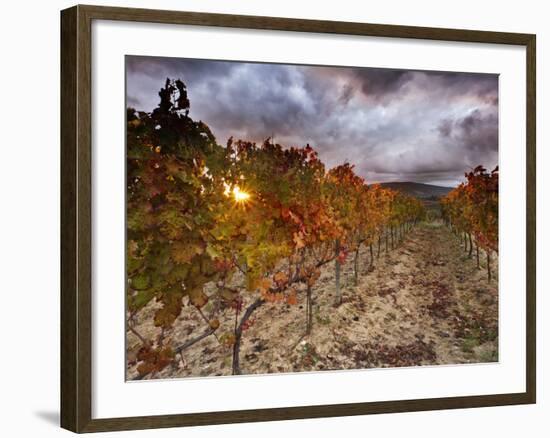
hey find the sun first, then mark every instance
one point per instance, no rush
(239, 195)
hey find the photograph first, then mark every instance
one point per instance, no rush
(289, 218)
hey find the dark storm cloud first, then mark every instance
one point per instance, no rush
(484, 87)
(445, 127)
(478, 131)
(346, 94)
(379, 84)
(392, 124)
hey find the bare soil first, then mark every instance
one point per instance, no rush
(423, 303)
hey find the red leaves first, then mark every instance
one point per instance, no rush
(442, 301)
(414, 353)
(237, 304)
(472, 207)
(247, 324)
(291, 299)
(223, 265)
(285, 213)
(342, 255)
(153, 359)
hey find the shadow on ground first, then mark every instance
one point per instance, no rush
(51, 417)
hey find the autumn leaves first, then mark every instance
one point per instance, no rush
(471, 209)
(255, 221)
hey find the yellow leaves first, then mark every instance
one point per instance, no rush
(170, 310)
(252, 281)
(183, 252)
(227, 339)
(197, 297)
(227, 294)
(299, 240)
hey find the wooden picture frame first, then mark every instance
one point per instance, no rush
(76, 217)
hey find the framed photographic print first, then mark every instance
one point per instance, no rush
(268, 218)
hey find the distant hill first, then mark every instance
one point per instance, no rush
(419, 190)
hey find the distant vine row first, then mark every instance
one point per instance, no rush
(471, 210)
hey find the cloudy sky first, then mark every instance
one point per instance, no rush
(394, 125)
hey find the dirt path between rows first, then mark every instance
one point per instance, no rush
(424, 303)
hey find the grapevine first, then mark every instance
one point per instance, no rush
(472, 210)
(246, 224)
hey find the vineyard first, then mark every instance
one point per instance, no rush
(472, 210)
(255, 258)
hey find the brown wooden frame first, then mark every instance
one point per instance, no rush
(76, 244)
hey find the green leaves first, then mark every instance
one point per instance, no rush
(183, 252)
(141, 281)
(139, 299)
